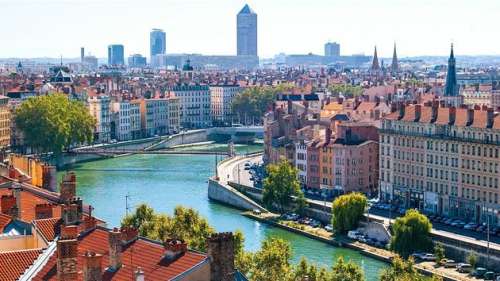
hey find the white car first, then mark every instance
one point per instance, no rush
(353, 234)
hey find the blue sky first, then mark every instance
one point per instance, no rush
(35, 28)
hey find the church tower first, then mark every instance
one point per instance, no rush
(452, 95)
(375, 65)
(394, 65)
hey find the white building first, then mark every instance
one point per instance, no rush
(194, 105)
(99, 107)
(120, 115)
(135, 120)
(301, 160)
(221, 97)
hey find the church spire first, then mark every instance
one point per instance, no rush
(375, 65)
(395, 66)
(451, 88)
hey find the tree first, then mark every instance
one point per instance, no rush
(411, 233)
(281, 183)
(349, 271)
(472, 259)
(347, 211)
(300, 203)
(186, 224)
(52, 123)
(251, 104)
(347, 90)
(272, 261)
(401, 270)
(439, 253)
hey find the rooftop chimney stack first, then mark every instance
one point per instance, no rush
(115, 250)
(67, 251)
(43, 211)
(92, 267)
(174, 248)
(470, 116)
(220, 249)
(68, 187)
(7, 203)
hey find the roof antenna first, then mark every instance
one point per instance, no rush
(127, 207)
(61, 60)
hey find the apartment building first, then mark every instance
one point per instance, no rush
(99, 107)
(442, 160)
(120, 121)
(5, 123)
(174, 122)
(221, 97)
(154, 116)
(194, 105)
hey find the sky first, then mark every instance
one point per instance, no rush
(50, 28)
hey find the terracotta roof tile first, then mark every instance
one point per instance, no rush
(140, 253)
(393, 116)
(410, 114)
(366, 106)
(496, 122)
(461, 117)
(15, 263)
(426, 115)
(49, 228)
(28, 203)
(443, 116)
(480, 119)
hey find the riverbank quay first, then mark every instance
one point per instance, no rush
(426, 268)
(456, 246)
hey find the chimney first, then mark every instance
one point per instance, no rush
(139, 274)
(435, 107)
(490, 116)
(418, 112)
(453, 115)
(129, 234)
(16, 192)
(220, 249)
(174, 248)
(70, 214)
(68, 187)
(470, 116)
(43, 211)
(115, 249)
(92, 266)
(289, 105)
(69, 232)
(67, 251)
(7, 203)
(401, 110)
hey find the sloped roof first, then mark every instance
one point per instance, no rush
(4, 221)
(15, 263)
(141, 253)
(28, 203)
(246, 10)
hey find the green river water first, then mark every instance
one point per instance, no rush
(164, 181)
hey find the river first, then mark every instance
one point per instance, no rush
(164, 181)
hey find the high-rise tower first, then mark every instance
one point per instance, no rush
(157, 42)
(246, 32)
(116, 54)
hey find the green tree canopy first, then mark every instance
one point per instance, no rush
(347, 90)
(251, 104)
(411, 233)
(281, 183)
(402, 270)
(52, 123)
(347, 211)
(185, 224)
(347, 271)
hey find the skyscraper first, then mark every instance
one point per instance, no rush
(332, 49)
(157, 42)
(116, 55)
(247, 32)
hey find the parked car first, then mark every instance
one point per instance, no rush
(470, 226)
(428, 257)
(479, 272)
(448, 263)
(464, 268)
(256, 211)
(417, 255)
(329, 228)
(489, 275)
(353, 234)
